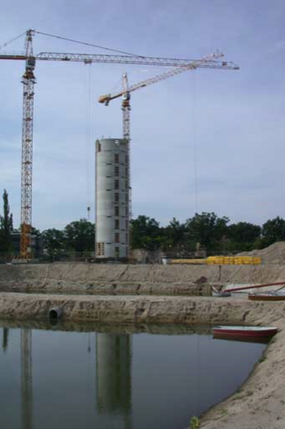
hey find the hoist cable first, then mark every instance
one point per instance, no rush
(12, 40)
(88, 138)
(194, 136)
(89, 44)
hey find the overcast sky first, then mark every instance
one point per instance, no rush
(209, 140)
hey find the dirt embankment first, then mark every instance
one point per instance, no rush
(131, 279)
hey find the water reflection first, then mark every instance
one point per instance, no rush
(5, 337)
(26, 379)
(113, 376)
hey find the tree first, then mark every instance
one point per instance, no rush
(207, 229)
(79, 236)
(273, 230)
(174, 233)
(242, 236)
(6, 226)
(53, 242)
(145, 233)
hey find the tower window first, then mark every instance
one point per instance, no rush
(117, 211)
(100, 249)
(117, 197)
(116, 157)
(116, 171)
(116, 184)
(117, 224)
(117, 237)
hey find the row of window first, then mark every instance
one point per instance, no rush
(117, 171)
(117, 184)
(116, 155)
(117, 237)
(117, 198)
(117, 224)
(100, 251)
(117, 210)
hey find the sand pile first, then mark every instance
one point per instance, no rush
(274, 254)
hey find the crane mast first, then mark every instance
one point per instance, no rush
(29, 81)
(27, 149)
(126, 107)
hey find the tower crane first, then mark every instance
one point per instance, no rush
(210, 61)
(29, 81)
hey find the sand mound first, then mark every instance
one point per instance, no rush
(274, 254)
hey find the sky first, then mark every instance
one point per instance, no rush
(205, 140)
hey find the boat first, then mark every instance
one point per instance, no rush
(220, 293)
(267, 296)
(245, 331)
(240, 339)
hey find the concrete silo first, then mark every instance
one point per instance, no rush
(112, 199)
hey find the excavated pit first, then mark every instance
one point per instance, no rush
(258, 404)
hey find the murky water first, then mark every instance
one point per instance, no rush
(133, 378)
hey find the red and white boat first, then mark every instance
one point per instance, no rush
(245, 331)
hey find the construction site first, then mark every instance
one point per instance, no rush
(139, 297)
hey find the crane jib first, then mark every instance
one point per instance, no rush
(122, 59)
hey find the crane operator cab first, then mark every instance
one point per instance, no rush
(30, 67)
(126, 99)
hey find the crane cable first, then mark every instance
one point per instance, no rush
(89, 44)
(88, 141)
(194, 145)
(12, 40)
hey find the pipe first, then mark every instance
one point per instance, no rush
(55, 312)
(254, 286)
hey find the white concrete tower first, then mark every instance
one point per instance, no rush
(112, 199)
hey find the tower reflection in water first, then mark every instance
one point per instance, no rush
(5, 339)
(113, 378)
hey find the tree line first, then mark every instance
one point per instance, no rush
(206, 231)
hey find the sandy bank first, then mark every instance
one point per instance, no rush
(131, 279)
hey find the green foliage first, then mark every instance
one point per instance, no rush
(145, 233)
(242, 236)
(272, 231)
(6, 226)
(79, 236)
(207, 229)
(53, 241)
(174, 234)
(213, 233)
(194, 423)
